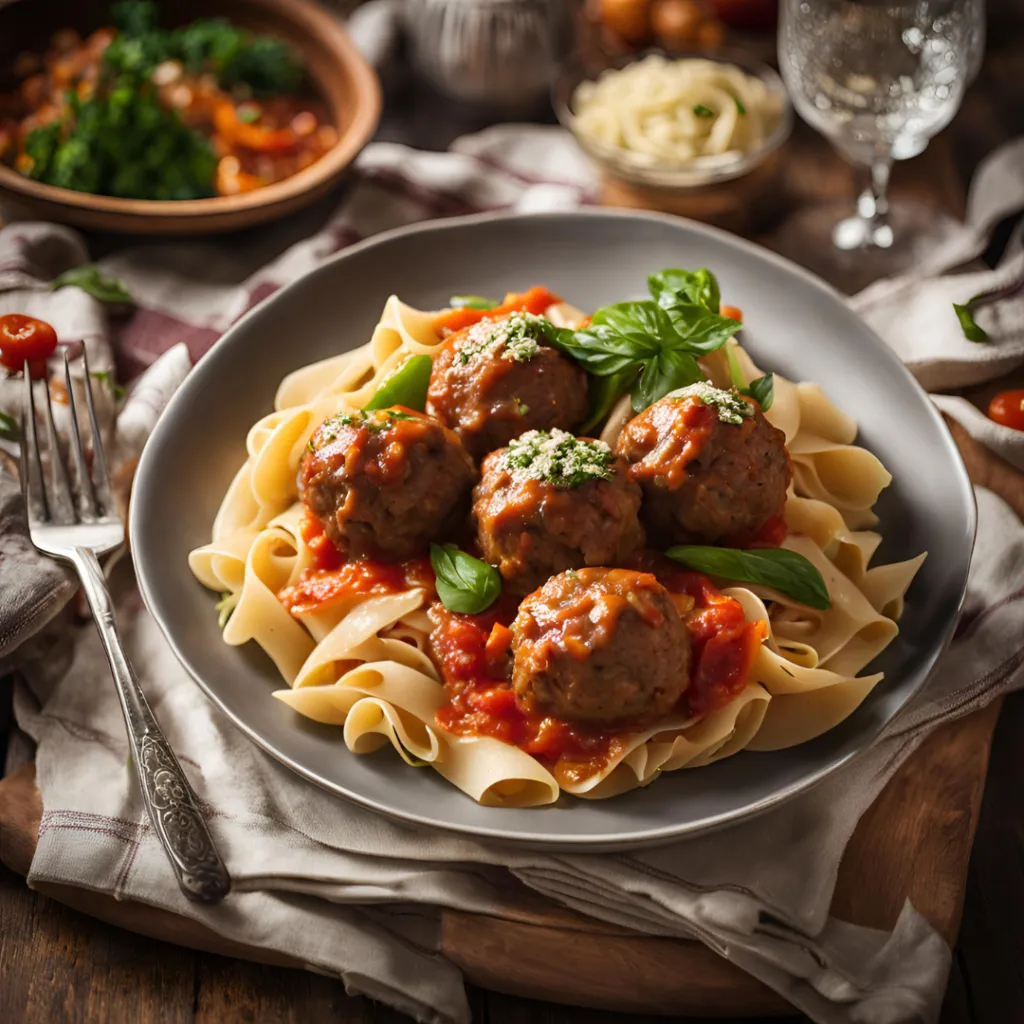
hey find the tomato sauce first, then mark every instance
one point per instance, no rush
(669, 436)
(535, 300)
(473, 654)
(334, 579)
(475, 669)
(770, 535)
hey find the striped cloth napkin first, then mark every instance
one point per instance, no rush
(353, 894)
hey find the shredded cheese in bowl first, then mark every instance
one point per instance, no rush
(677, 113)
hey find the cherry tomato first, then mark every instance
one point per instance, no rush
(1008, 409)
(25, 338)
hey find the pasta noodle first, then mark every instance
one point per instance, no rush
(674, 112)
(362, 662)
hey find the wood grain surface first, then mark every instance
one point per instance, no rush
(58, 964)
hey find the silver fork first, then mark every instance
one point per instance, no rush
(78, 523)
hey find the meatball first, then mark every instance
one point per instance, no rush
(600, 646)
(551, 501)
(712, 468)
(385, 483)
(496, 379)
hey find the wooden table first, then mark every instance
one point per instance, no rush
(57, 964)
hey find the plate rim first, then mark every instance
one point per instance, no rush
(578, 843)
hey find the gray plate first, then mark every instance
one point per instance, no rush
(796, 325)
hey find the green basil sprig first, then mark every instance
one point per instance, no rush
(471, 302)
(761, 390)
(786, 571)
(91, 279)
(650, 347)
(407, 386)
(464, 583)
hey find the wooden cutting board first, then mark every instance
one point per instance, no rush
(914, 842)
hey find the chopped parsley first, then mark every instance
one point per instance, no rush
(515, 338)
(702, 111)
(731, 407)
(558, 458)
(331, 427)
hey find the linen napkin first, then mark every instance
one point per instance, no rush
(356, 895)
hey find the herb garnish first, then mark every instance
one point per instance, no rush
(8, 428)
(464, 584)
(558, 458)
(740, 109)
(332, 426)
(471, 302)
(731, 408)
(761, 389)
(649, 347)
(92, 280)
(107, 377)
(786, 571)
(702, 111)
(407, 386)
(972, 332)
(515, 338)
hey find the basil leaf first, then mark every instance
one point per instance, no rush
(464, 584)
(91, 279)
(600, 349)
(786, 571)
(8, 428)
(699, 329)
(641, 327)
(406, 385)
(602, 395)
(671, 369)
(762, 391)
(695, 286)
(972, 332)
(701, 111)
(471, 302)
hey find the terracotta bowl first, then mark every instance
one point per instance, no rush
(340, 75)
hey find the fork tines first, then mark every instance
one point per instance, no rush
(52, 493)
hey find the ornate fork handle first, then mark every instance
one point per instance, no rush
(171, 802)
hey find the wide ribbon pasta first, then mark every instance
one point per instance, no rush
(362, 663)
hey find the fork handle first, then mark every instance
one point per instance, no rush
(171, 801)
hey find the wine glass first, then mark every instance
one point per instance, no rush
(878, 78)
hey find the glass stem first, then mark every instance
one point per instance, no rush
(873, 203)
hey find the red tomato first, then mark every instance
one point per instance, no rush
(1008, 409)
(25, 338)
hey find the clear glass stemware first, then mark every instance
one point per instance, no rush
(878, 78)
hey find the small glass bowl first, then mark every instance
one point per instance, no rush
(715, 188)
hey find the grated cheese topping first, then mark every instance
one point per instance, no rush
(731, 407)
(558, 458)
(515, 338)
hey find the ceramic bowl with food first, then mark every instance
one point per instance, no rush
(696, 135)
(141, 118)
